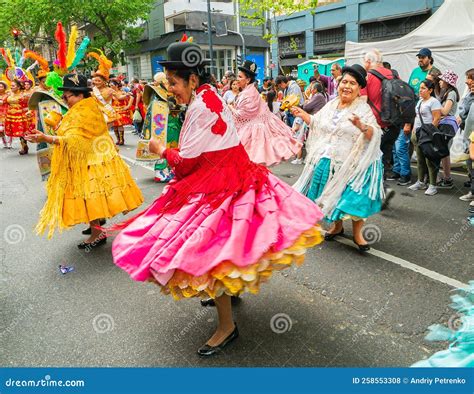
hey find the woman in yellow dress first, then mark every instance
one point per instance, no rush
(88, 180)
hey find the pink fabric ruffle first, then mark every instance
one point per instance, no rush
(197, 238)
(267, 139)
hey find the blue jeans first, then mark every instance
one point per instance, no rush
(401, 157)
(138, 127)
(290, 118)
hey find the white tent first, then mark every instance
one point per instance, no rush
(449, 33)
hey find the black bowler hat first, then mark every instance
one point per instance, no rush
(249, 68)
(358, 72)
(182, 55)
(75, 83)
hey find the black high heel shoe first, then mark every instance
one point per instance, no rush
(362, 248)
(208, 351)
(88, 231)
(234, 300)
(92, 245)
(330, 236)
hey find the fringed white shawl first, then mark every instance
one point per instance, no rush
(348, 169)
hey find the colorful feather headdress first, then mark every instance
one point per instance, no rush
(67, 57)
(185, 38)
(7, 56)
(104, 64)
(42, 62)
(13, 71)
(4, 79)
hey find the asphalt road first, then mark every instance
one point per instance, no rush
(339, 309)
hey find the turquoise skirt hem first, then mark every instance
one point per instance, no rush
(353, 204)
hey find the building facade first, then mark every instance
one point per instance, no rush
(170, 19)
(322, 32)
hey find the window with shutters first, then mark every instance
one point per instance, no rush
(329, 40)
(389, 29)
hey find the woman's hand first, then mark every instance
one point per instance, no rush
(364, 128)
(157, 146)
(297, 111)
(407, 128)
(355, 120)
(35, 136)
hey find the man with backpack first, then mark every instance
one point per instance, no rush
(393, 103)
(373, 92)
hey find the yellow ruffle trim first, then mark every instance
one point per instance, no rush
(233, 280)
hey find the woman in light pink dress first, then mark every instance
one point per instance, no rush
(264, 136)
(224, 224)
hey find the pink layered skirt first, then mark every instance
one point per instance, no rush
(205, 250)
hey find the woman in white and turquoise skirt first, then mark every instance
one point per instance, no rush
(343, 171)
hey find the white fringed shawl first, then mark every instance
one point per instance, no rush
(353, 168)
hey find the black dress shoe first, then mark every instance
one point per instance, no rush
(208, 302)
(330, 236)
(88, 231)
(92, 245)
(234, 300)
(362, 248)
(208, 351)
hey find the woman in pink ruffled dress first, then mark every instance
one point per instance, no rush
(263, 134)
(224, 224)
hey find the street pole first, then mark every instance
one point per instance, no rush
(209, 30)
(243, 42)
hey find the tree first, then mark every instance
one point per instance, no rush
(257, 10)
(261, 11)
(114, 24)
(117, 22)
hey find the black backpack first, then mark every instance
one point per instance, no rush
(398, 101)
(432, 141)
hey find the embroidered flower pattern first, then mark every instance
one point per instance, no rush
(215, 105)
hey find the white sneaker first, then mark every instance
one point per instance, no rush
(297, 161)
(467, 197)
(431, 190)
(418, 186)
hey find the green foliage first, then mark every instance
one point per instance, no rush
(257, 10)
(112, 24)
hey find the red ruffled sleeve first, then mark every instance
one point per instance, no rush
(180, 166)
